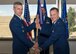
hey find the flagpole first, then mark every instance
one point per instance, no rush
(36, 40)
(37, 35)
(39, 12)
(58, 3)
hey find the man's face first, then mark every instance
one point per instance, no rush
(18, 10)
(54, 15)
(43, 10)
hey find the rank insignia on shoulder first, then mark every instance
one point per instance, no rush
(14, 18)
(22, 30)
(58, 22)
(52, 30)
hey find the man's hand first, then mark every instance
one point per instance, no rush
(36, 48)
(37, 22)
(36, 45)
(37, 19)
(37, 51)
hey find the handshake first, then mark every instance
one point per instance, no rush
(35, 49)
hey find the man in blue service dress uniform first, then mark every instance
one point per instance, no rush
(44, 34)
(21, 42)
(58, 35)
(45, 31)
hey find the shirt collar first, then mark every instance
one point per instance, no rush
(55, 21)
(18, 16)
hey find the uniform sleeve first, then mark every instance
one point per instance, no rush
(55, 35)
(20, 34)
(46, 28)
(30, 27)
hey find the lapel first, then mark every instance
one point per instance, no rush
(18, 20)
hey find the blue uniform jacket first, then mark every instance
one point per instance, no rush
(45, 31)
(21, 42)
(58, 38)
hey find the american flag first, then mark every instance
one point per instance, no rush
(27, 17)
(26, 12)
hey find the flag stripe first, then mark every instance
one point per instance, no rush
(26, 11)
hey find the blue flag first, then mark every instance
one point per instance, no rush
(26, 12)
(39, 12)
(45, 7)
(64, 15)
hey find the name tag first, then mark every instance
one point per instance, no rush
(47, 22)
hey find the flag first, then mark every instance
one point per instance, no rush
(45, 7)
(26, 12)
(64, 15)
(39, 12)
(64, 11)
(27, 17)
